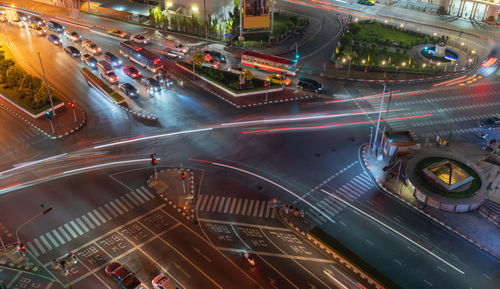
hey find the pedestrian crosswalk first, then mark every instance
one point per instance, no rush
(89, 221)
(236, 206)
(351, 191)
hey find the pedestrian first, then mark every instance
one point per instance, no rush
(437, 140)
(302, 214)
(287, 210)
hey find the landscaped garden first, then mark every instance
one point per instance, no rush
(374, 46)
(26, 90)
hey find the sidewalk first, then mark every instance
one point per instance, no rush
(471, 226)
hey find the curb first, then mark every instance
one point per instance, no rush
(402, 81)
(387, 190)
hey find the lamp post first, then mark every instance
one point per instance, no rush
(379, 116)
(42, 212)
(205, 20)
(47, 85)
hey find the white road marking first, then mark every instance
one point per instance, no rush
(91, 225)
(52, 240)
(262, 207)
(244, 208)
(427, 282)
(64, 233)
(397, 262)
(94, 218)
(147, 192)
(232, 206)
(45, 242)
(221, 205)
(268, 209)
(58, 237)
(115, 207)
(121, 205)
(126, 202)
(143, 195)
(256, 208)
(132, 199)
(76, 227)
(228, 202)
(107, 207)
(238, 206)
(250, 206)
(104, 213)
(214, 204)
(39, 245)
(70, 230)
(82, 225)
(31, 248)
(137, 196)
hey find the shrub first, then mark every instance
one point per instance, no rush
(295, 20)
(398, 50)
(4, 66)
(13, 76)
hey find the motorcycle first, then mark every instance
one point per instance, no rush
(249, 258)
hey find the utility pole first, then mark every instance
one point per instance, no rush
(47, 85)
(19, 244)
(241, 38)
(386, 116)
(371, 136)
(205, 17)
(379, 116)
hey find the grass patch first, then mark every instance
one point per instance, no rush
(227, 79)
(334, 245)
(374, 31)
(474, 186)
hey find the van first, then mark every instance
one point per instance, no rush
(71, 35)
(175, 46)
(309, 84)
(106, 71)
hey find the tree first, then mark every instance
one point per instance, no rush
(4, 66)
(41, 97)
(13, 76)
(29, 85)
(248, 74)
(199, 58)
(441, 10)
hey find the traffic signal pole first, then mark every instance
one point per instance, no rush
(19, 244)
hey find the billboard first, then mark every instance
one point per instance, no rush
(256, 14)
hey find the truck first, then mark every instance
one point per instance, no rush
(106, 71)
(138, 54)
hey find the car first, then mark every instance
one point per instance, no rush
(151, 84)
(123, 276)
(111, 58)
(3, 18)
(309, 84)
(90, 46)
(71, 35)
(33, 28)
(72, 51)
(18, 23)
(117, 33)
(37, 21)
(128, 89)
(89, 60)
(217, 56)
(279, 79)
(235, 69)
(131, 71)
(23, 17)
(211, 64)
(367, 2)
(163, 77)
(138, 38)
(489, 122)
(54, 26)
(164, 282)
(54, 39)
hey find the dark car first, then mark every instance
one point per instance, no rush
(111, 58)
(309, 84)
(489, 122)
(37, 21)
(54, 39)
(89, 60)
(128, 89)
(151, 84)
(73, 51)
(123, 276)
(217, 56)
(23, 17)
(54, 26)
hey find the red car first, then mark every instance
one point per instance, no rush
(131, 71)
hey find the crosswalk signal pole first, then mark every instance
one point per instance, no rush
(154, 162)
(49, 118)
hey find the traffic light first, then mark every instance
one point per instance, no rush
(73, 105)
(21, 248)
(48, 115)
(297, 56)
(183, 175)
(154, 162)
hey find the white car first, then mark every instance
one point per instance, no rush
(18, 23)
(235, 69)
(138, 38)
(90, 46)
(164, 282)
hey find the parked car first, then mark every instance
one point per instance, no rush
(131, 71)
(128, 89)
(54, 39)
(23, 17)
(217, 56)
(37, 21)
(491, 122)
(235, 69)
(151, 84)
(123, 276)
(111, 58)
(90, 46)
(309, 84)
(279, 79)
(164, 282)
(212, 64)
(89, 60)
(54, 26)
(138, 38)
(33, 28)
(72, 51)
(71, 35)
(117, 33)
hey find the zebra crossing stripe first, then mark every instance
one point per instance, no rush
(121, 205)
(94, 218)
(39, 245)
(111, 210)
(232, 206)
(82, 225)
(132, 199)
(214, 204)
(345, 193)
(327, 210)
(210, 201)
(117, 209)
(333, 203)
(360, 184)
(126, 202)
(244, 208)
(91, 225)
(262, 207)
(268, 209)
(70, 231)
(145, 190)
(64, 233)
(32, 249)
(45, 242)
(55, 233)
(238, 206)
(204, 202)
(76, 227)
(250, 206)
(354, 189)
(104, 213)
(144, 196)
(256, 208)
(52, 240)
(227, 205)
(137, 196)
(221, 205)
(310, 215)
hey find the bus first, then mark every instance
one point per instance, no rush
(269, 62)
(367, 2)
(141, 56)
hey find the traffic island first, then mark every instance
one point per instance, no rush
(177, 187)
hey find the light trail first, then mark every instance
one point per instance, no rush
(394, 230)
(106, 165)
(451, 80)
(328, 7)
(378, 95)
(267, 180)
(331, 125)
(24, 165)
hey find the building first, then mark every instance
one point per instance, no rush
(472, 9)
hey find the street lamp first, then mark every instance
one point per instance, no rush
(423, 65)
(42, 212)
(383, 62)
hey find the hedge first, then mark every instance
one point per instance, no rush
(117, 97)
